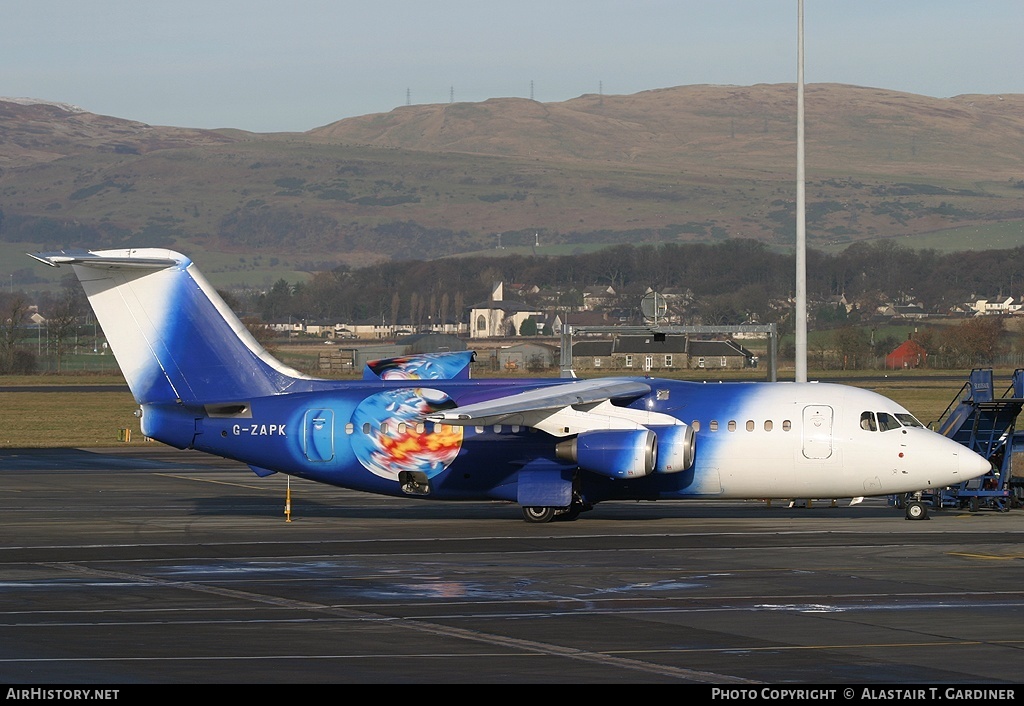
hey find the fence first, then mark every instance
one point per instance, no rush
(934, 362)
(27, 362)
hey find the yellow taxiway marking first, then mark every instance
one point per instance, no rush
(995, 557)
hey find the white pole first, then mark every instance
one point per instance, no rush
(800, 374)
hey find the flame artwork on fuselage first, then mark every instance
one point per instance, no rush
(390, 436)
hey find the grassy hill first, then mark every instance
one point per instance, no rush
(689, 163)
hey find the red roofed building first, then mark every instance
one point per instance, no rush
(908, 354)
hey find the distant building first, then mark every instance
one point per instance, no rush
(994, 307)
(650, 352)
(727, 355)
(659, 353)
(910, 311)
(530, 356)
(909, 354)
(497, 318)
(598, 296)
(592, 355)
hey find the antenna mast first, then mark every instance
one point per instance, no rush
(800, 374)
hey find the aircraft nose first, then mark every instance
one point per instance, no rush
(972, 464)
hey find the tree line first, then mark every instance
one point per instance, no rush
(731, 281)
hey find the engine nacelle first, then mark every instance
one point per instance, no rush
(676, 448)
(629, 453)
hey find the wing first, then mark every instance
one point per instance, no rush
(546, 398)
(563, 409)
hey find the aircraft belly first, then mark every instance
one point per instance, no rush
(766, 477)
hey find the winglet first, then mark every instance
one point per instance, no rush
(48, 261)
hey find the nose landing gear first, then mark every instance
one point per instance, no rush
(916, 510)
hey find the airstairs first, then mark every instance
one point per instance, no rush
(987, 425)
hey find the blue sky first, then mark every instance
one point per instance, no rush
(292, 66)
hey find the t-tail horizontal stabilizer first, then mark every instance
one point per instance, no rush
(174, 337)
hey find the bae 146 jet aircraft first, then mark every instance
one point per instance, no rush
(420, 427)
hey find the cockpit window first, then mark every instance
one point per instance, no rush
(887, 422)
(909, 420)
(867, 421)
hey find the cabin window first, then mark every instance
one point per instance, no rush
(767, 424)
(349, 428)
(750, 425)
(713, 425)
(732, 425)
(366, 428)
(515, 428)
(786, 425)
(401, 427)
(383, 427)
(867, 421)
(696, 425)
(479, 429)
(497, 428)
(420, 428)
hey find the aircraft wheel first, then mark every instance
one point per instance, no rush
(975, 503)
(538, 515)
(916, 510)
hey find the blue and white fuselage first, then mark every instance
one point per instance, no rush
(419, 426)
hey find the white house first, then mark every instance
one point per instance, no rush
(991, 307)
(497, 318)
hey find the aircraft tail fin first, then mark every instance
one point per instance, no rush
(173, 336)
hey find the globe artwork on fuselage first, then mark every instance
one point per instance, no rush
(392, 436)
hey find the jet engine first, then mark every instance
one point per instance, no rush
(676, 448)
(632, 453)
(614, 453)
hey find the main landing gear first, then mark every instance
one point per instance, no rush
(540, 515)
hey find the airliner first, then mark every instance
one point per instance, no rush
(421, 427)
